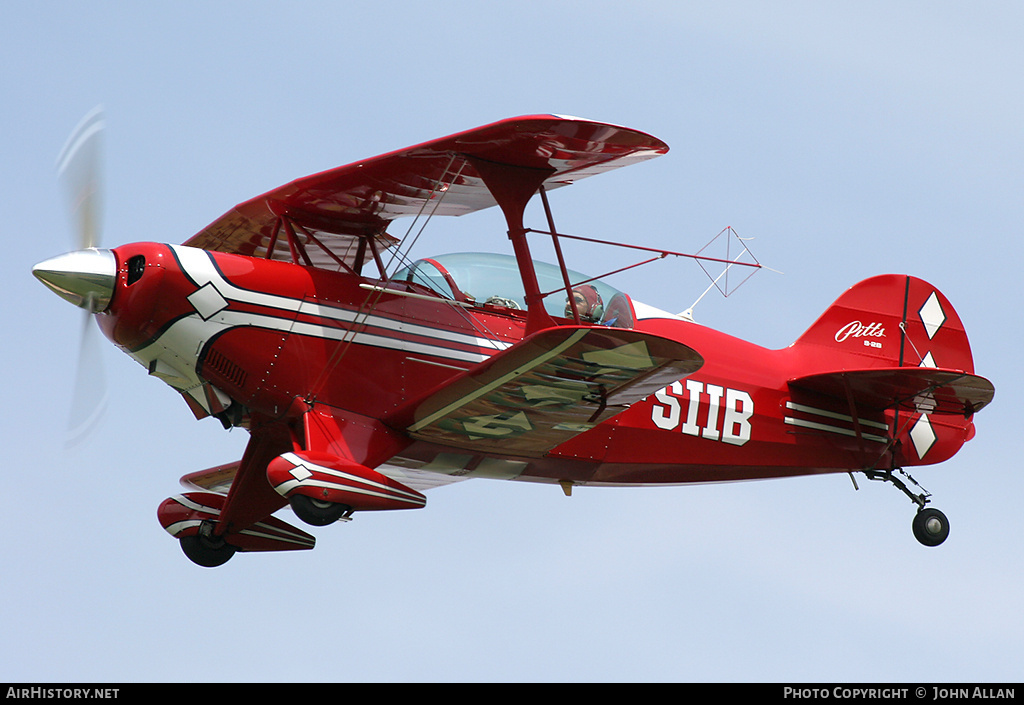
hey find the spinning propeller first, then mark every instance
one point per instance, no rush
(86, 276)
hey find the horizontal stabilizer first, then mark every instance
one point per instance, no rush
(921, 389)
(544, 390)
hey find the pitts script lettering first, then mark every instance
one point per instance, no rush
(712, 412)
(856, 329)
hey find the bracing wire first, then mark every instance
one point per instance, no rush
(373, 296)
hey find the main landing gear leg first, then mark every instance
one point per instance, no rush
(930, 525)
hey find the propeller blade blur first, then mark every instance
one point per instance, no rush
(84, 277)
(89, 398)
(79, 168)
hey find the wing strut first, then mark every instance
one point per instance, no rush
(513, 187)
(561, 259)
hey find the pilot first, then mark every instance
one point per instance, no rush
(588, 303)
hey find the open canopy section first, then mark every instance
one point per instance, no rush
(338, 218)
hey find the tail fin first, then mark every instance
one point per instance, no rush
(894, 343)
(897, 321)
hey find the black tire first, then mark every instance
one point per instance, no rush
(931, 527)
(317, 512)
(207, 552)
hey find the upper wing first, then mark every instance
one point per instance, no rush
(331, 214)
(547, 388)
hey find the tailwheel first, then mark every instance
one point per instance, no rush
(205, 549)
(318, 512)
(931, 527)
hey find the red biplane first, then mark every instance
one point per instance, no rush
(364, 380)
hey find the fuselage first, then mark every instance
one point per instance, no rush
(239, 335)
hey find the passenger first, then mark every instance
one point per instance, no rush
(588, 304)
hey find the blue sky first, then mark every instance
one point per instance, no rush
(848, 138)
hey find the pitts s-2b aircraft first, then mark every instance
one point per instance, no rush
(361, 388)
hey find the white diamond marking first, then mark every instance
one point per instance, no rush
(207, 301)
(923, 436)
(928, 360)
(301, 472)
(932, 315)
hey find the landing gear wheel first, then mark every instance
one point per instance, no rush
(205, 549)
(317, 512)
(931, 527)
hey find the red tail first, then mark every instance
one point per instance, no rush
(895, 321)
(895, 343)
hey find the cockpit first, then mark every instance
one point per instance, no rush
(487, 279)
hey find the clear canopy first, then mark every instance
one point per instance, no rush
(482, 278)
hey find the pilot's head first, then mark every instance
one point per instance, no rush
(588, 303)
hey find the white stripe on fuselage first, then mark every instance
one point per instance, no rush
(180, 344)
(199, 266)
